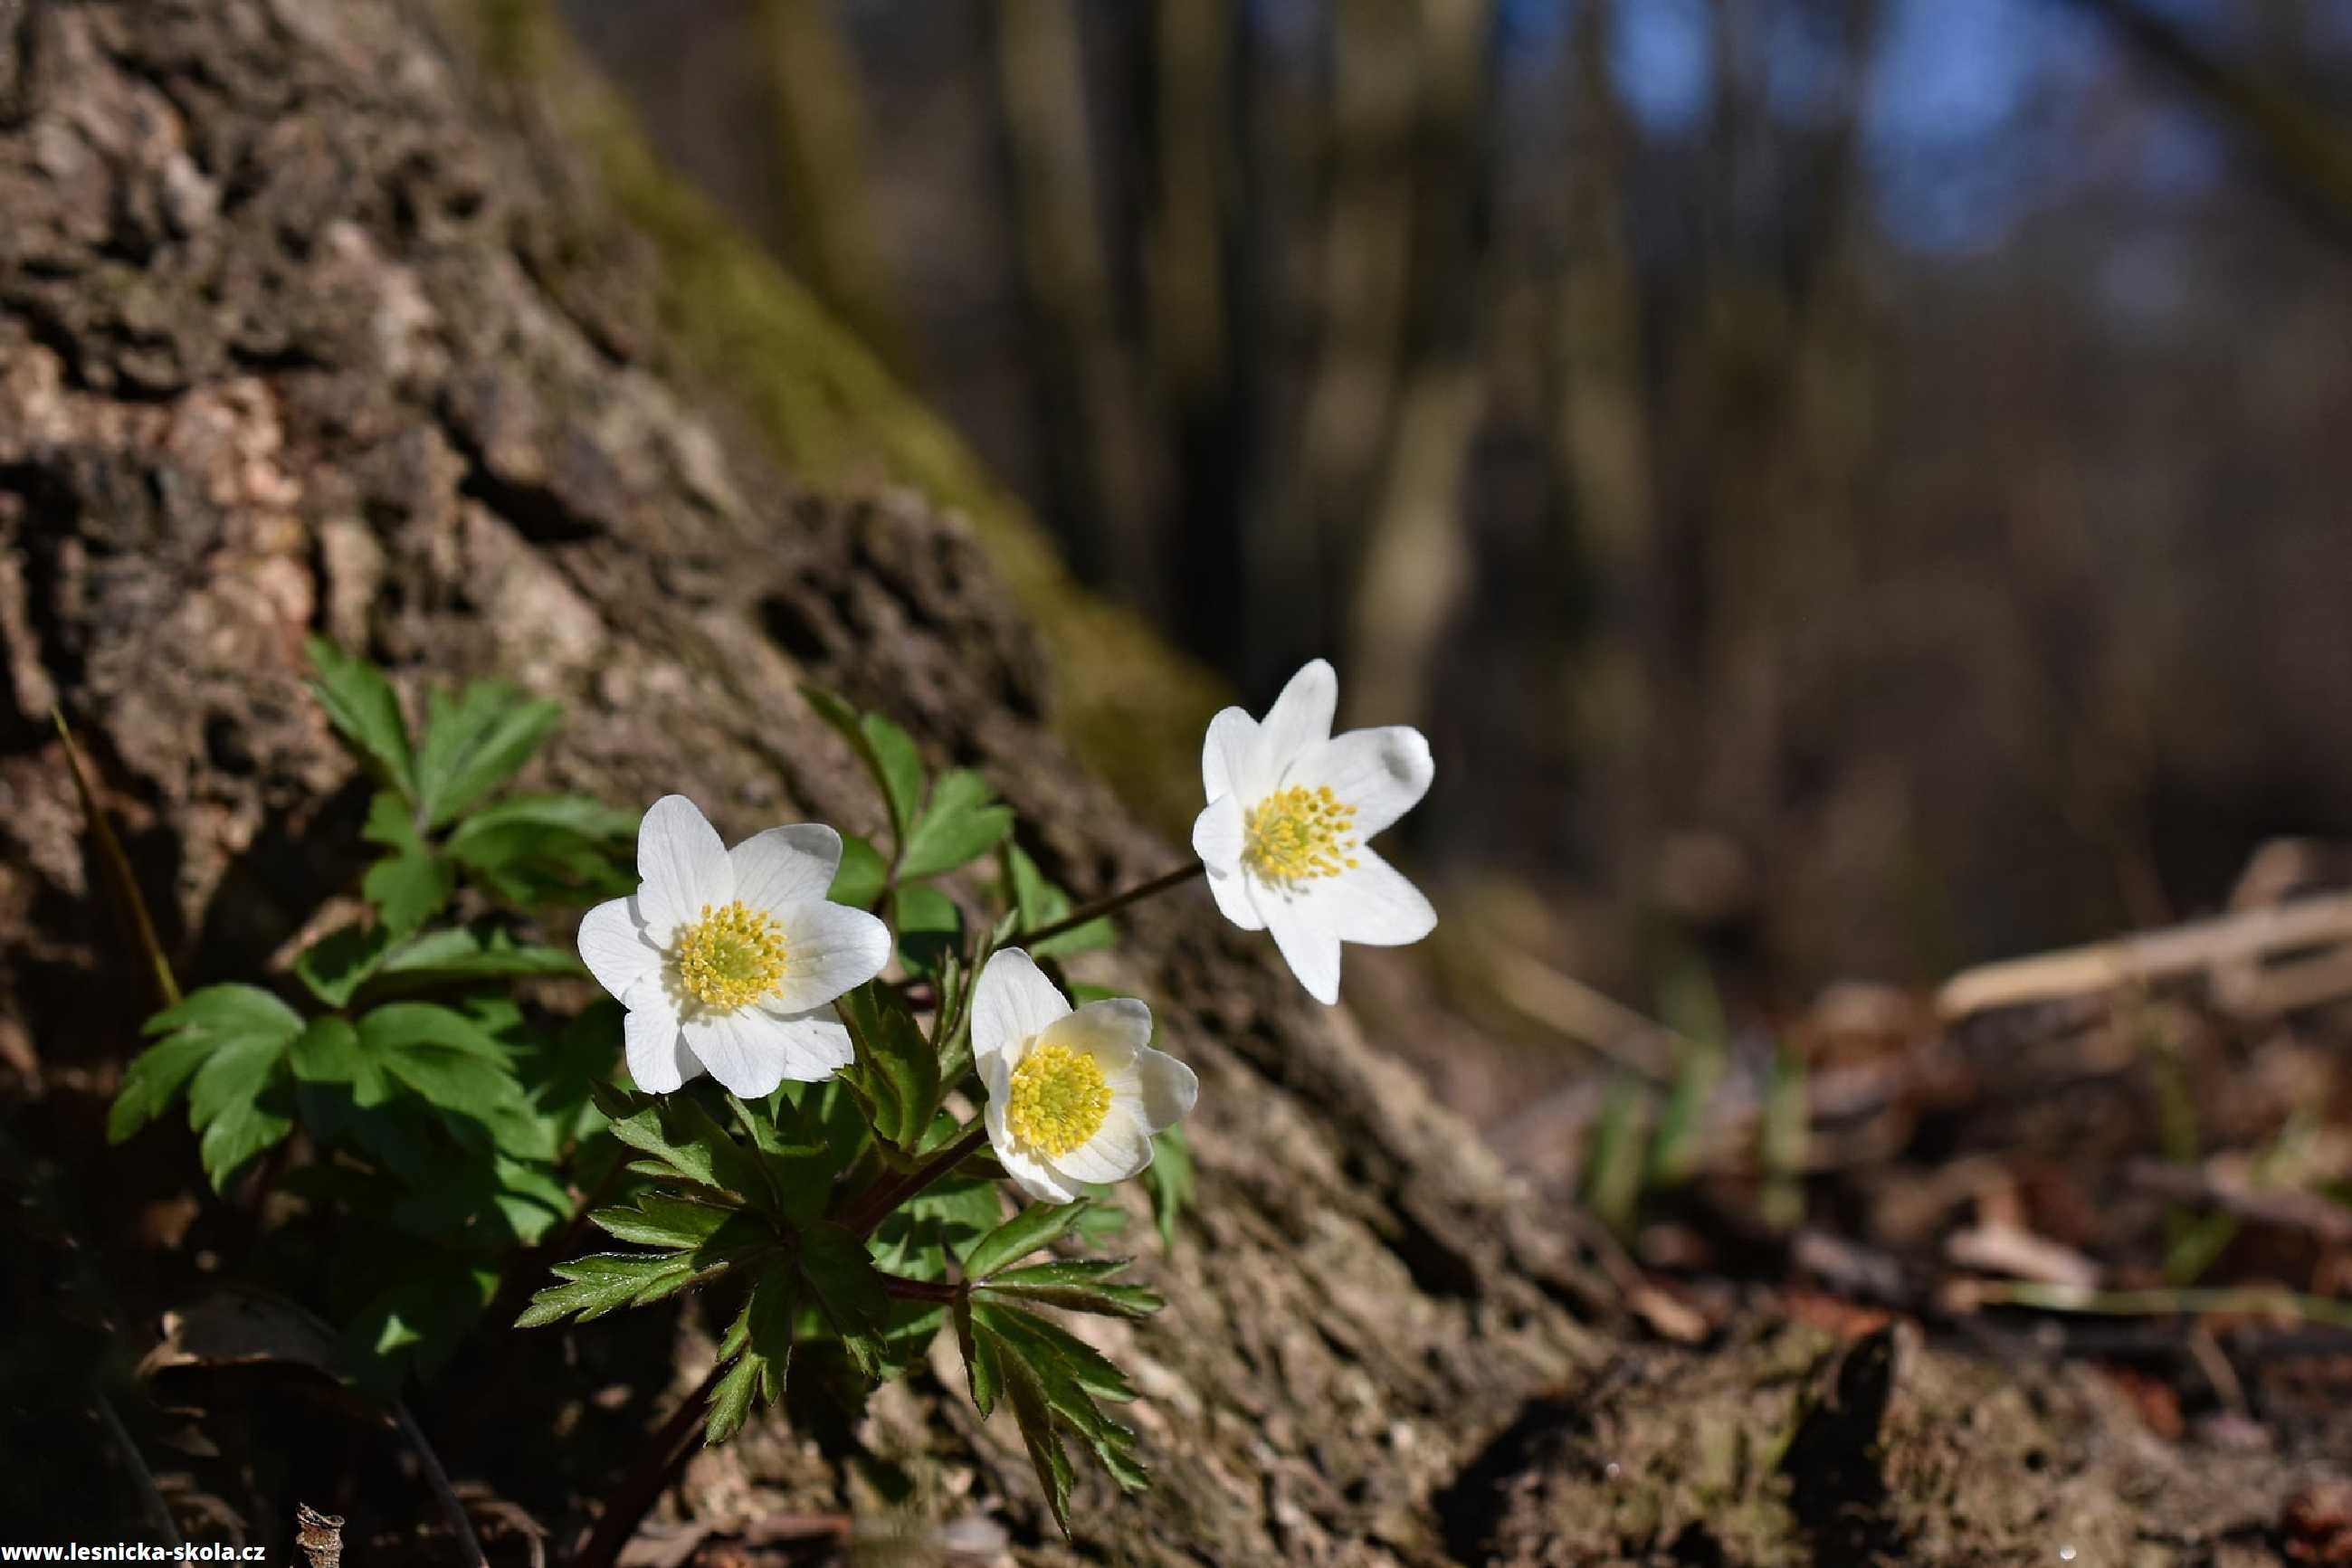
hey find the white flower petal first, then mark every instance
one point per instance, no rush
(1032, 1176)
(1371, 903)
(1217, 834)
(1382, 773)
(1224, 753)
(1111, 1031)
(744, 1048)
(1300, 718)
(783, 866)
(1310, 944)
(1120, 1148)
(1166, 1089)
(615, 946)
(814, 1045)
(1231, 890)
(829, 948)
(1013, 1004)
(658, 1060)
(684, 865)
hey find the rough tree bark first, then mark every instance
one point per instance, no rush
(309, 320)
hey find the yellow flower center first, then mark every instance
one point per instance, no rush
(1057, 1099)
(1297, 834)
(732, 956)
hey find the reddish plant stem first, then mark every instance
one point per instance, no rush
(882, 1199)
(1105, 904)
(658, 1465)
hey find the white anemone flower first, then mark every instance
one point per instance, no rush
(1074, 1094)
(728, 960)
(1290, 809)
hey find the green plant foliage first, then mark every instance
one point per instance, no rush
(1040, 904)
(960, 823)
(452, 1121)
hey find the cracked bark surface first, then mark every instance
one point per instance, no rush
(308, 321)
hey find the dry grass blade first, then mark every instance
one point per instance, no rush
(118, 866)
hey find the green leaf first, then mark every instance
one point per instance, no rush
(535, 849)
(983, 1361)
(1076, 1285)
(404, 1027)
(663, 1219)
(197, 1027)
(929, 925)
(1039, 1224)
(152, 1082)
(1170, 1178)
(731, 1402)
(799, 1174)
(1031, 1409)
(863, 875)
(761, 1339)
(363, 709)
(896, 1062)
(225, 1103)
(417, 1322)
(334, 965)
(848, 1292)
(476, 741)
(460, 954)
(962, 823)
(1039, 902)
(684, 1140)
(887, 751)
(602, 1283)
(408, 886)
(898, 767)
(1049, 1345)
(227, 1045)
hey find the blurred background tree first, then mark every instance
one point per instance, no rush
(1850, 486)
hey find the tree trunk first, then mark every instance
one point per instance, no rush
(310, 319)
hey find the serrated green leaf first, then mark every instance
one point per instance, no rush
(1049, 1345)
(598, 1284)
(363, 709)
(662, 1219)
(1080, 1285)
(982, 1367)
(334, 966)
(799, 1174)
(1034, 1413)
(409, 885)
(847, 1289)
(960, 823)
(154, 1078)
(896, 1062)
(476, 741)
(863, 875)
(929, 925)
(685, 1141)
(152, 1082)
(1170, 1178)
(731, 1402)
(226, 1012)
(1039, 1224)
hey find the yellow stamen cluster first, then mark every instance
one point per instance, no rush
(1297, 834)
(1057, 1099)
(732, 956)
